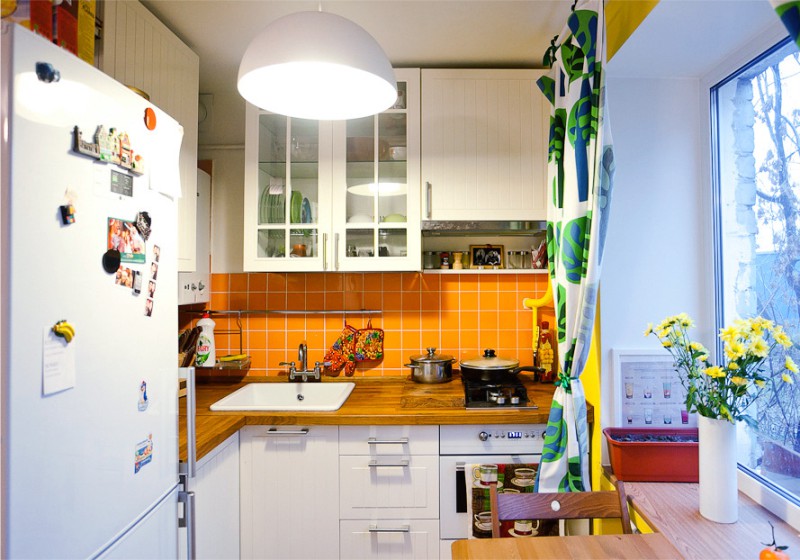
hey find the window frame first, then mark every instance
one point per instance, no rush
(762, 491)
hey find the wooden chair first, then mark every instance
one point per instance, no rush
(606, 504)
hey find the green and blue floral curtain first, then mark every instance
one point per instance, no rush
(789, 12)
(580, 173)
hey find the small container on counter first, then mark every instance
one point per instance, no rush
(519, 259)
(445, 260)
(430, 259)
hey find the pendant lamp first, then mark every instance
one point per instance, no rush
(317, 65)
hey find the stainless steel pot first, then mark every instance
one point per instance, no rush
(491, 367)
(431, 367)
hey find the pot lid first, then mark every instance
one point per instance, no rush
(490, 360)
(431, 357)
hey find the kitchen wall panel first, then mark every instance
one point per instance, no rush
(460, 314)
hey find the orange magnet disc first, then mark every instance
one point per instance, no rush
(150, 118)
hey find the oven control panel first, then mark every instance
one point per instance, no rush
(497, 438)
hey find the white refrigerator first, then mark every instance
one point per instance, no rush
(88, 280)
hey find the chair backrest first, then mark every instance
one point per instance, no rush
(604, 504)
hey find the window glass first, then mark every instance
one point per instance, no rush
(756, 168)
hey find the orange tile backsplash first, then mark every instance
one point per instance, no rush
(459, 314)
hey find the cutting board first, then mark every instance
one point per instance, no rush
(432, 395)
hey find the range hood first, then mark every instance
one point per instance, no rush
(435, 228)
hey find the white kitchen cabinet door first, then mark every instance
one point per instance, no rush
(400, 539)
(193, 287)
(389, 487)
(289, 492)
(485, 136)
(216, 489)
(140, 51)
(389, 440)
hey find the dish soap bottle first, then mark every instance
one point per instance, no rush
(206, 355)
(546, 354)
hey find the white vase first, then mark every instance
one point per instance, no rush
(719, 490)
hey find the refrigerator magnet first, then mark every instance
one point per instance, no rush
(148, 307)
(143, 402)
(111, 261)
(144, 453)
(67, 214)
(150, 118)
(137, 282)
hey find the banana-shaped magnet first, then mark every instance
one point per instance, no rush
(65, 330)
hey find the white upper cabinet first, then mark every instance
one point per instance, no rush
(334, 196)
(485, 136)
(140, 51)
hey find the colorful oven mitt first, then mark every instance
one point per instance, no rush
(342, 353)
(369, 343)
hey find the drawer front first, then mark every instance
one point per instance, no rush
(387, 539)
(389, 440)
(394, 487)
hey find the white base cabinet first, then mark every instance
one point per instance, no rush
(402, 538)
(389, 491)
(216, 488)
(289, 492)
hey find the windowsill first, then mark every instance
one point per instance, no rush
(672, 509)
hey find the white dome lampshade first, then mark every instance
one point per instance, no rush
(317, 65)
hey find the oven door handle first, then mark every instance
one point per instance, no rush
(461, 488)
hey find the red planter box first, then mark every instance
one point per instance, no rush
(653, 461)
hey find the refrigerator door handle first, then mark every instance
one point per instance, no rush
(191, 433)
(187, 521)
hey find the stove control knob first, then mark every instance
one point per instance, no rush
(483, 436)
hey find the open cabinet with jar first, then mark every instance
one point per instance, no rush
(334, 196)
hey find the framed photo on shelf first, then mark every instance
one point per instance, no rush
(647, 390)
(486, 256)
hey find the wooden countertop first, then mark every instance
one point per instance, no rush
(617, 547)
(672, 508)
(374, 401)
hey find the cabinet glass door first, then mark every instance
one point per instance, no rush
(288, 188)
(376, 205)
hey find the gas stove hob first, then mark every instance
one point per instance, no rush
(507, 394)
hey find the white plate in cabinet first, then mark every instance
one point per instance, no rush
(389, 487)
(389, 539)
(389, 440)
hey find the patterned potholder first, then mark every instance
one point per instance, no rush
(342, 353)
(369, 343)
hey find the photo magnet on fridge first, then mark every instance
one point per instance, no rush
(137, 282)
(144, 453)
(123, 236)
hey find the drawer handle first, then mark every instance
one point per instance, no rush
(400, 529)
(374, 464)
(276, 432)
(401, 441)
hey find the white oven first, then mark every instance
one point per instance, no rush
(465, 444)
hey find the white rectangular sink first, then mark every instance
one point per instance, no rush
(287, 396)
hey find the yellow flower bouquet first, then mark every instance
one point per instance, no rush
(724, 391)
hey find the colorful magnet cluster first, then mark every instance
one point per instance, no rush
(111, 146)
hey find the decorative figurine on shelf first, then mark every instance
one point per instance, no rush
(457, 258)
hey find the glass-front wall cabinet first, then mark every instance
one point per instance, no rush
(343, 195)
(376, 165)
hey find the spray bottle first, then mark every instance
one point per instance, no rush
(206, 355)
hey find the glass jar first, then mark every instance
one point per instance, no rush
(518, 260)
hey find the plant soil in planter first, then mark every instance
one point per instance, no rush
(649, 455)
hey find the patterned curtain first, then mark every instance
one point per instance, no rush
(789, 12)
(580, 173)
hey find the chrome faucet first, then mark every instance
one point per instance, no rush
(303, 373)
(302, 353)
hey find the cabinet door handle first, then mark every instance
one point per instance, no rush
(428, 199)
(277, 432)
(400, 529)
(336, 250)
(374, 441)
(324, 251)
(374, 464)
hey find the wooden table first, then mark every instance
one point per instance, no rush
(638, 547)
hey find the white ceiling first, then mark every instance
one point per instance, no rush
(680, 37)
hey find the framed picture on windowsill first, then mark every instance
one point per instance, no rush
(486, 256)
(648, 392)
